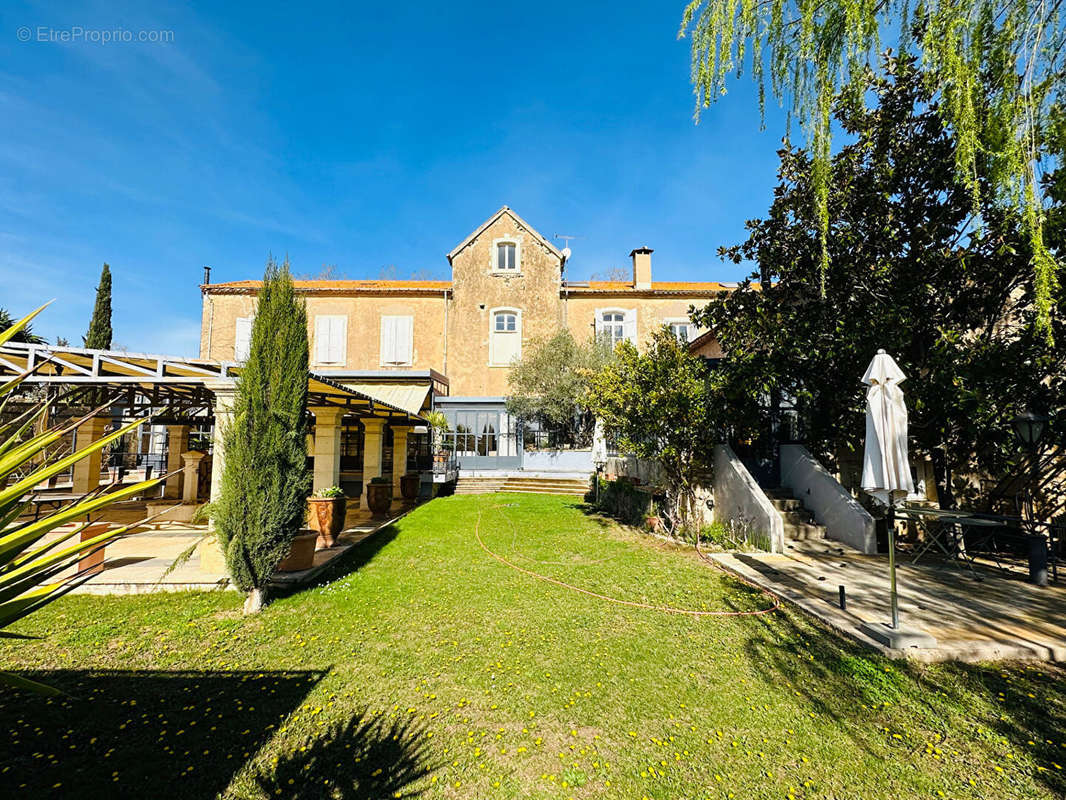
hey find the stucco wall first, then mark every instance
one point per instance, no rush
(832, 505)
(364, 313)
(739, 501)
(645, 470)
(558, 461)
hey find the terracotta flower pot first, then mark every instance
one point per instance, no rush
(409, 485)
(655, 524)
(326, 515)
(301, 552)
(379, 498)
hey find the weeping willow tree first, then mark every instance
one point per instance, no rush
(996, 67)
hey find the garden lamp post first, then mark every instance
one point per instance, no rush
(1030, 427)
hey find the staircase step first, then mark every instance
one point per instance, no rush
(571, 487)
(799, 516)
(804, 531)
(786, 504)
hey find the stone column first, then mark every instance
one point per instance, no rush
(177, 446)
(192, 476)
(87, 470)
(327, 452)
(224, 390)
(373, 441)
(399, 458)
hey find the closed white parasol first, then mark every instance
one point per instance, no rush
(886, 471)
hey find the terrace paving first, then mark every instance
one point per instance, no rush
(985, 615)
(138, 563)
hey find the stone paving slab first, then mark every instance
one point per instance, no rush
(137, 564)
(988, 617)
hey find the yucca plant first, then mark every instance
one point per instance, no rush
(31, 571)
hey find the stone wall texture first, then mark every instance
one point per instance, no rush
(451, 322)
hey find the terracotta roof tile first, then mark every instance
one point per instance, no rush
(338, 285)
(708, 287)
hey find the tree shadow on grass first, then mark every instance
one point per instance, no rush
(861, 692)
(141, 734)
(1024, 704)
(366, 758)
(352, 560)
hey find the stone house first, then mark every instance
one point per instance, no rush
(449, 344)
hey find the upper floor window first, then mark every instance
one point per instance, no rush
(331, 339)
(396, 340)
(506, 256)
(242, 340)
(617, 325)
(682, 330)
(614, 326)
(505, 336)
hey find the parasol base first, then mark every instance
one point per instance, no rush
(898, 638)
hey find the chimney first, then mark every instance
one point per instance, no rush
(641, 267)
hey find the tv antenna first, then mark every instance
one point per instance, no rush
(566, 238)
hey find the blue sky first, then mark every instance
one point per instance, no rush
(367, 135)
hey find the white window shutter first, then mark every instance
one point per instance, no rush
(322, 340)
(599, 323)
(388, 339)
(404, 339)
(242, 341)
(397, 339)
(629, 326)
(338, 340)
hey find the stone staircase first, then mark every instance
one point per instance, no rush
(486, 485)
(798, 521)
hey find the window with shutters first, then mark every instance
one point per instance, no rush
(682, 329)
(242, 340)
(331, 340)
(616, 325)
(506, 256)
(396, 340)
(505, 336)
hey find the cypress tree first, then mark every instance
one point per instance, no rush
(99, 335)
(265, 479)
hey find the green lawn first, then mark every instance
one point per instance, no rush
(427, 667)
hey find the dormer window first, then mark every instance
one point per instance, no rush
(506, 256)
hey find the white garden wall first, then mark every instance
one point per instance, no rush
(832, 505)
(738, 499)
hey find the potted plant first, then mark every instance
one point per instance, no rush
(379, 496)
(409, 485)
(438, 426)
(326, 510)
(652, 519)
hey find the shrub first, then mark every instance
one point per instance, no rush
(623, 501)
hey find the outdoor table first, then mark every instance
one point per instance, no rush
(951, 542)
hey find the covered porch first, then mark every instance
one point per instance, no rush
(355, 436)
